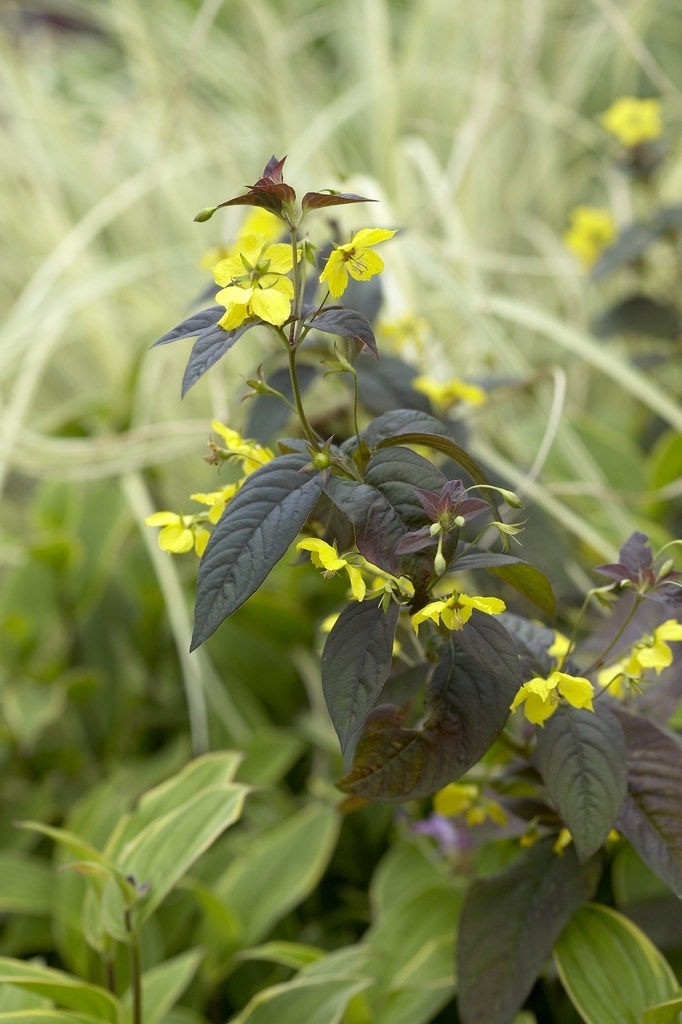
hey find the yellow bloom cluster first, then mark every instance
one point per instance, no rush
(541, 697)
(591, 230)
(180, 532)
(633, 121)
(455, 611)
(324, 556)
(465, 798)
(651, 652)
(443, 394)
(255, 282)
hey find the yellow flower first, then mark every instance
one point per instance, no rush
(633, 121)
(541, 697)
(559, 648)
(180, 533)
(563, 839)
(250, 453)
(217, 500)
(651, 652)
(455, 799)
(591, 230)
(355, 258)
(443, 394)
(456, 610)
(255, 285)
(325, 557)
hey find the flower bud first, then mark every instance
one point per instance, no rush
(205, 214)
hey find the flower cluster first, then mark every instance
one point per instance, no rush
(633, 121)
(541, 697)
(590, 231)
(651, 652)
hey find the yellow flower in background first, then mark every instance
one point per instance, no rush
(254, 282)
(454, 799)
(465, 798)
(455, 611)
(180, 533)
(403, 332)
(591, 230)
(250, 453)
(355, 258)
(324, 556)
(559, 648)
(541, 697)
(443, 394)
(633, 121)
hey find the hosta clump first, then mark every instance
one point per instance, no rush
(420, 672)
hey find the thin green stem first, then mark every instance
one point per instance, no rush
(601, 658)
(135, 970)
(295, 387)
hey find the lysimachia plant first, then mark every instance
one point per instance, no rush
(432, 686)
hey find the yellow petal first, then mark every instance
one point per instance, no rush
(177, 539)
(163, 519)
(335, 274)
(577, 690)
(370, 236)
(270, 305)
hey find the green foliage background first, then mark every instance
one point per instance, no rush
(477, 128)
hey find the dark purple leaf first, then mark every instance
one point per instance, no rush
(488, 643)
(346, 323)
(254, 532)
(582, 760)
(355, 664)
(194, 324)
(651, 816)
(466, 707)
(319, 200)
(509, 924)
(377, 526)
(209, 347)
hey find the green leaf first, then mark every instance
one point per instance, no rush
(322, 1000)
(581, 757)
(356, 662)
(63, 988)
(639, 314)
(609, 968)
(164, 850)
(509, 923)
(287, 954)
(163, 985)
(77, 846)
(345, 323)
(664, 1013)
(466, 707)
(48, 1017)
(651, 815)
(26, 884)
(530, 582)
(300, 847)
(252, 535)
(205, 772)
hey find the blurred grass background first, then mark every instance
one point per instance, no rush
(477, 126)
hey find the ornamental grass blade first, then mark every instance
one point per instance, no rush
(509, 923)
(581, 757)
(466, 708)
(651, 815)
(355, 664)
(253, 534)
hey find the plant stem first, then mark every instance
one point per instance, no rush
(135, 971)
(601, 658)
(295, 387)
